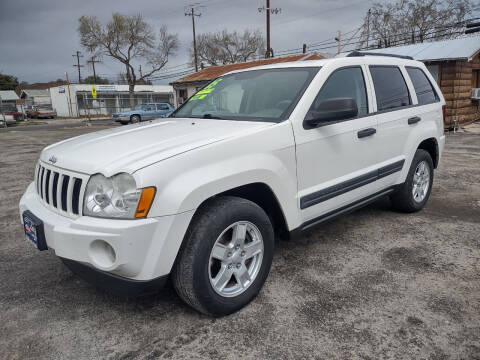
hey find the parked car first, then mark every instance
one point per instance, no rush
(257, 153)
(41, 112)
(10, 109)
(7, 118)
(143, 112)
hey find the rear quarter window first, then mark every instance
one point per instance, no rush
(423, 88)
(391, 90)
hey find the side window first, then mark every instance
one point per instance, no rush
(344, 83)
(391, 90)
(162, 107)
(424, 89)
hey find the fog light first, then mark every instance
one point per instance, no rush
(102, 254)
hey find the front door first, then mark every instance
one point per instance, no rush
(337, 162)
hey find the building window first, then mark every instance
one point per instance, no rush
(434, 70)
(476, 79)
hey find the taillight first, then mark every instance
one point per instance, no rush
(444, 113)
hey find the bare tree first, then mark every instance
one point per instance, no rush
(128, 39)
(409, 21)
(222, 47)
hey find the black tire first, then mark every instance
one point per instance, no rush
(124, 122)
(135, 119)
(191, 271)
(403, 199)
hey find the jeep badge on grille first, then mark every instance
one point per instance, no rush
(52, 159)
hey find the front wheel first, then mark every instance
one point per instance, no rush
(415, 191)
(226, 256)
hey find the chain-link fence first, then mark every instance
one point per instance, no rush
(107, 104)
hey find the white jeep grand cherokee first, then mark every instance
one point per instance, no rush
(198, 197)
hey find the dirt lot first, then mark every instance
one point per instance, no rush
(371, 285)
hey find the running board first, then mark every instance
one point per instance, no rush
(341, 211)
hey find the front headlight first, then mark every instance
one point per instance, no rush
(116, 197)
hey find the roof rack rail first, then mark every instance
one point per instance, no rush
(363, 53)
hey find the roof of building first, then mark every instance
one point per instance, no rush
(35, 92)
(43, 86)
(454, 49)
(7, 95)
(213, 72)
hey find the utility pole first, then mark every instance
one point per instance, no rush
(191, 12)
(338, 39)
(78, 55)
(368, 25)
(93, 61)
(268, 10)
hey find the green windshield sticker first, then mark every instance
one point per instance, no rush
(205, 91)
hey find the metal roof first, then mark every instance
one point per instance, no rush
(213, 72)
(462, 48)
(7, 95)
(35, 92)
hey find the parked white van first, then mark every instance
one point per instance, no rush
(258, 153)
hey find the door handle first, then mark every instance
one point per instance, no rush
(414, 120)
(366, 132)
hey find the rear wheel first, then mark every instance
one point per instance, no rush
(135, 119)
(414, 193)
(226, 257)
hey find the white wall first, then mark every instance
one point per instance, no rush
(60, 100)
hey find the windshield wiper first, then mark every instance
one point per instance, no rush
(210, 116)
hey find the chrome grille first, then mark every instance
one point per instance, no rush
(60, 190)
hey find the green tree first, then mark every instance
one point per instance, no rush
(8, 82)
(99, 80)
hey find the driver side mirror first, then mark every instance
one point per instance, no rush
(331, 111)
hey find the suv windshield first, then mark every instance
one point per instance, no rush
(256, 95)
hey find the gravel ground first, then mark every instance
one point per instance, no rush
(371, 285)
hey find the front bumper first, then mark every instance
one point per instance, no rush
(113, 283)
(46, 116)
(144, 249)
(120, 118)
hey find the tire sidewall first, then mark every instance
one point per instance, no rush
(420, 155)
(206, 234)
(133, 117)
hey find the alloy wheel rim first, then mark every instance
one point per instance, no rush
(421, 181)
(235, 259)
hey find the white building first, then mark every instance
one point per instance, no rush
(77, 100)
(36, 97)
(9, 97)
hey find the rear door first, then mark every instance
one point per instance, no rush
(150, 111)
(162, 109)
(393, 108)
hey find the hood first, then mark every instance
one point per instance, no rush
(129, 148)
